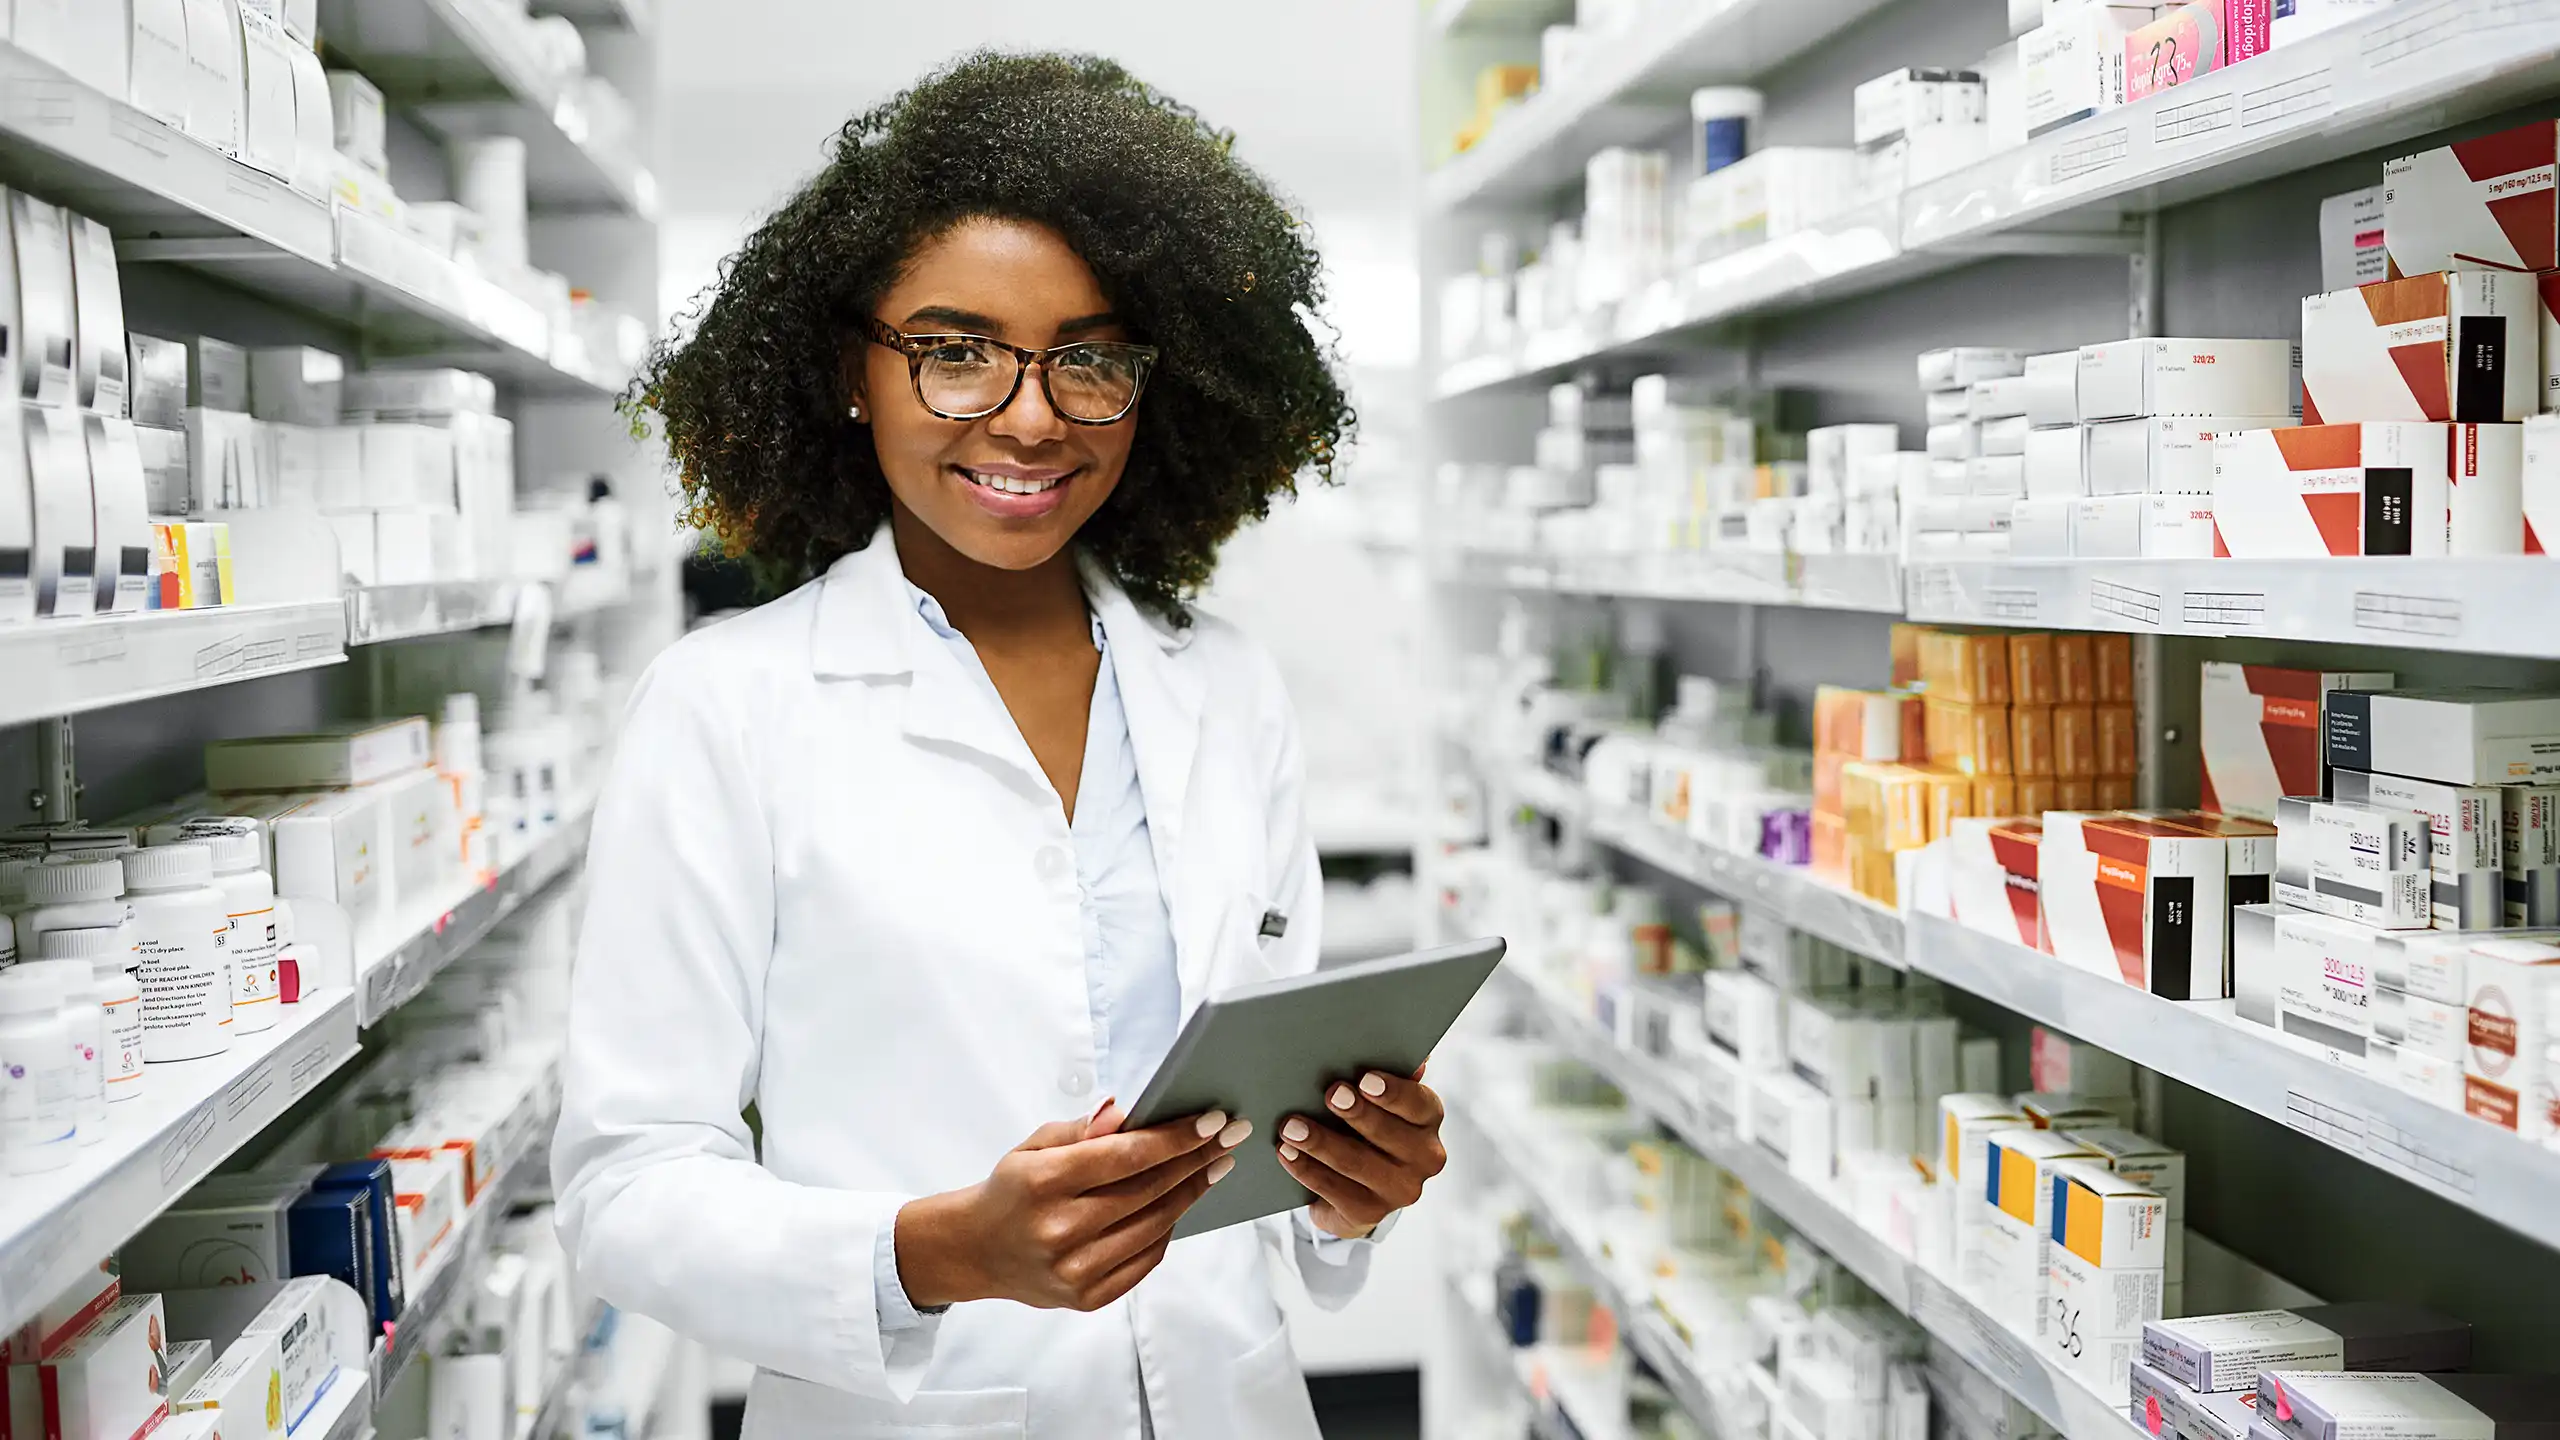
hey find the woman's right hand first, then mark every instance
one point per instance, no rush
(1071, 1218)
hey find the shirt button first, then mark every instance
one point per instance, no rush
(1076, 1081)
(1050, 863)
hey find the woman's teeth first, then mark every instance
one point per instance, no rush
(1009, 484)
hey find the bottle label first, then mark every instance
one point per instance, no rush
(186, 994)
(253, 947)
(124, 1047)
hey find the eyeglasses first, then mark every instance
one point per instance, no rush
(970, 377)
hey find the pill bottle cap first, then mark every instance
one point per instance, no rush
(235, 852)
(69, 879)
(27, 990)
(167, 867)
(86, 943)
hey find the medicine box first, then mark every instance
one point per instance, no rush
(158, 370)
(2465, 862)
(2162, 1406)
(2143, 1161)
(120, 515)
(2052, 388)
(2352, 251)
(2017, 1180)
(2539, 485)
(2195, 39)
(58, 1320)
(2056, 464)
(2308, 975)
(2365, 863)
(2484, 203)
(217, 376)
(1957, 367)
(245, 1387)
(2072, 66)
(1743, 1018)
(427, 1187)
(208, 1242)
(355, 753)
(100, 378)
(2165, 454)
(1994, 878)
(2461, 737)
(2226, 1353)
(2508, 1078)
(2485, 490)
(2121, 379)
(2135, 899)
(216, 108)
(2415, 1024)
(2345, 489)
(112, 1379)
(374, 1178)
(188, 1362)
(2105, 1274)
(2369, 1405)
(66, 525)
(17, 518)
(332, 1235)
(158, 84)
(1792, 1120)
(2451, 345)
(40, 242)
(2060, 1065)
(2249, 853)
(296, 385)
(2529, 859)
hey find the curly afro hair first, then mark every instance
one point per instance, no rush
(1192, 247)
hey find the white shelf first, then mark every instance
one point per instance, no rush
(422, 1318)
(64, 667)
(637, 16)
(2418, 66)
(2494, 605)
(1474, 17)
(443, 929)
(2012, 1361)
(1821, 582)
(2199, 1043)
(190, 1116)
(1793, 893)
(77, 147)
(1633, 86)
(453, 63)
(1640, 1326)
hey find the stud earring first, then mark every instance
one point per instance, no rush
(853, 412)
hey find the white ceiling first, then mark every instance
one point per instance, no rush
(1319, 93)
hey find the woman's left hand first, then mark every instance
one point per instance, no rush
(1379, 1166)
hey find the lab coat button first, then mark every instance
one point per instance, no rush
(1051, 862)
(1076, 1081)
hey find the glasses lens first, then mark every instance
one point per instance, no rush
(1096, 382)
(966, 376)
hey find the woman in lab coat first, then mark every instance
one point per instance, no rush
(928, 859)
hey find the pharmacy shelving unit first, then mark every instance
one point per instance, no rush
(2418, 66)
(2012, 1361)
(187, 1120)
(210, 246)
(193, 1116)
(68, 667)
(1795, 894)
(2466, 1162)
(2489, 605)
(1820, 582)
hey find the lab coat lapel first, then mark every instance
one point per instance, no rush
(1161, 691)
(868, 626)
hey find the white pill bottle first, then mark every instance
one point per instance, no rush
(179, 935)
(70, 892)
(84, 1018)
(109, 955)
(39, 1125)
(249, 905)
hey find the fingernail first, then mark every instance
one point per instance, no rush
(1288, 1154)
(1342, 1097)
(1107, 1103)
(1235, 1133)
(1373, 1083)
(1211, 1123)
(1218, 1168)
(1294, 1130)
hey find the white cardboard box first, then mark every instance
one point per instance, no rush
(40, 242)
(110, 1381)
(2057, 467)
(2450, 345)
(2052, 382)
(2072, 65)
(2315, 490)
(2485, 490)
(2041, 528)
(120, 514)
(2261, 732)
(215, 110)
(2462, 737)
(2539, 494)
(2136, 900)
(2177, 527)
(101, 377)
(2529, 844)
(2364, 863)
(2108, 527)
(2121, 379)
(2310, 976)
(2352, 251)
(2507, 1073)
(2484, 203)
(2163, 454)
(66, 528)
(2465, 860)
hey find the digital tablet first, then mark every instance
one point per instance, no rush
(1269, 1051)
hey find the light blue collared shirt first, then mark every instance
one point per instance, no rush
(1132, 983)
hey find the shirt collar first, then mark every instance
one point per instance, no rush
(934, 618)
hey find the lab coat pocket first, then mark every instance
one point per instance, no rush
(1271, 1395)
(1246, 953)
(782, 1408)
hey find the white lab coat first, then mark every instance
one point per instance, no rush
(828, 877)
